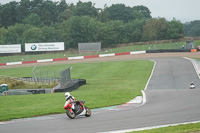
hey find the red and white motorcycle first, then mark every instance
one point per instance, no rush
(76, 108)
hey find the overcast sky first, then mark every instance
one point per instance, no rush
(183, 10)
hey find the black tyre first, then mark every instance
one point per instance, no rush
(71, 115)
(88, 112)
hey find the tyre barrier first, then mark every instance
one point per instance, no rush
(36, 91)
(167, 50)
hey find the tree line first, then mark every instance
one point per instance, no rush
(192, 28)
(32, 21)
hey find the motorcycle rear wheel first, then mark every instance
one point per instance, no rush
(71, 115)
(88, 112)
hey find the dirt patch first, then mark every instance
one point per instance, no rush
(114, 58)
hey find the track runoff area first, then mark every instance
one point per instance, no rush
(137, 100)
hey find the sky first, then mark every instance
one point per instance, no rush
(183, 10)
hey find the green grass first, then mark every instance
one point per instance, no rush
(64, 54)
(189, 128)
(108, 83)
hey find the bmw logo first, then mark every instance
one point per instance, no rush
(33, 47)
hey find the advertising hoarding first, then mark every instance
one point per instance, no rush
(35, 47)
(15, 48)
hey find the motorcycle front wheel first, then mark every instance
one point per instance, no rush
(71, 115)
(88, 112)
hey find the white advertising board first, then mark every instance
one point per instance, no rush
(15, 48)
(35, 47)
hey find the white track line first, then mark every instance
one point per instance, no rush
(149, 128)
(196, 66)
(151, 74)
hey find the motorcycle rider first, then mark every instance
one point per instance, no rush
(70, 98)
(192, 86)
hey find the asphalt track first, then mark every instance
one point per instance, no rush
(169, 101)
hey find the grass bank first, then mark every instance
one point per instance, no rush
(108, 83)
(17, 84)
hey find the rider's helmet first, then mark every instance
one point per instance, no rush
(67, 94)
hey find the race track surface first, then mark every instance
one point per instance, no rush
(169, 101)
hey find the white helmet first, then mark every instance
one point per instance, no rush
(67, 94)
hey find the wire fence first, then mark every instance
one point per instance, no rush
(46, 74)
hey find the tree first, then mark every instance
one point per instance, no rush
(175, 29)
(138, 15)
(192, 28)
(23, 9)
(62, 6)
(51, 34)
(33, 35)
(79, 29)
(46, 10)
(8, 14)
(33, 19)
(0, 23)
(85, 9)
(12, 36)
(64, 15)
(104, 14)
(133, 31)
(3, 33)
(154, 29)
(120, 12)
(111, 33)
(144, 10)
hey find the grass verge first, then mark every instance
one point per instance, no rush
(108, 83)
(122, 49)
(189, 128)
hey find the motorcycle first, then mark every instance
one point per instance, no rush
(192, 86)
(78, 110)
